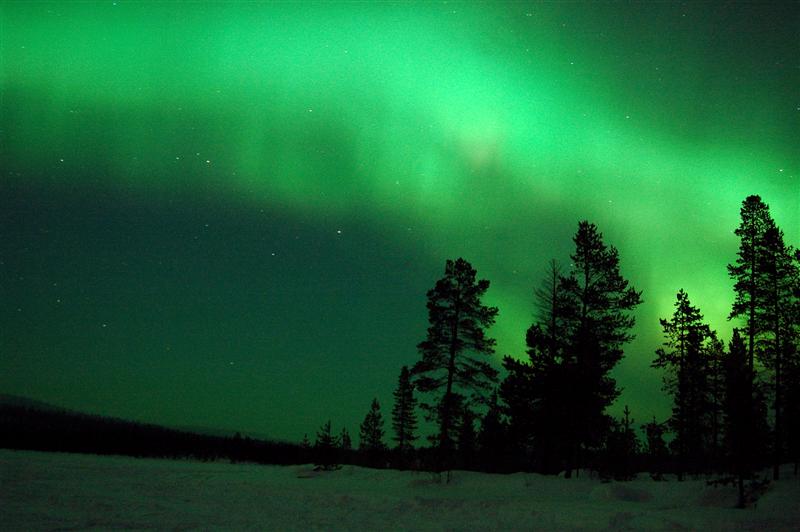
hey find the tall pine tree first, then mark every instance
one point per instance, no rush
(404, 415)
(454, 353)
(748, 271)
(776, 344)
(600, 323)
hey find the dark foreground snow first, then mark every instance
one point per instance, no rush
(47, 491)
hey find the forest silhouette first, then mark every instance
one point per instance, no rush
(735, 402)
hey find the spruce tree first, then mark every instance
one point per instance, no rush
(404, 415)
(372, 429)
(684, 356)
(325, 447)
(454, 353)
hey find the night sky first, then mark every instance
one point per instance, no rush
(228, 215)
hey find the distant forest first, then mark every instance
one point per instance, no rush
(736, 401)
(38, 426)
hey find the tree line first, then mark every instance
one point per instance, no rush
(736, 404)
(45, 428)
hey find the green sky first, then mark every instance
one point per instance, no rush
(228, 214)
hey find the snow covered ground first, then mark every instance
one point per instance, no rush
(47, 491)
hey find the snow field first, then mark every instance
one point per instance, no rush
(47, 491)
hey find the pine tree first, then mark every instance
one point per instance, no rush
(779, 322)
(372, 429)
(748, 271)
(684, 358)
(404, 416)
(325, 447)
(601, 303)
(451, 354)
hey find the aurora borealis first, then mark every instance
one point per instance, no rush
(228, 214)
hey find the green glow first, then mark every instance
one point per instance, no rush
(440, 130)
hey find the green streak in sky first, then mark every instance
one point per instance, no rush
(478, 130)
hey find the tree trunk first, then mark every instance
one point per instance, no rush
(444, 437)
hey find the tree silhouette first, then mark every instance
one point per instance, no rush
(556, 403)
(455, 340)
(739, 437)
(325, 447)
(404, 415)
(372, 430)
(748, 271)
(622, 448)
(536, 393)
(685, 357)
(779, 323)
(599, 323)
